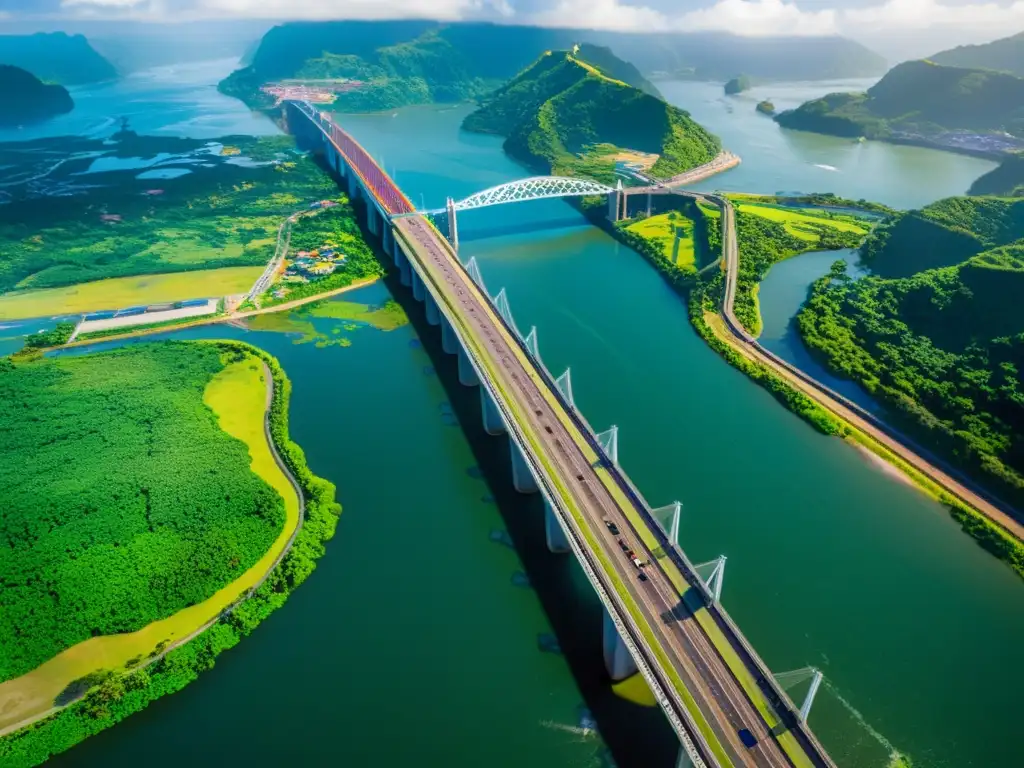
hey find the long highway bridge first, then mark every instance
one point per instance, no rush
(662, 618)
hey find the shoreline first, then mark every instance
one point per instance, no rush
(34, 736)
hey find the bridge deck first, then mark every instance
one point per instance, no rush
(713, 680)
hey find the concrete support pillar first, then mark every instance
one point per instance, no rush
(613, 206)
(493, 423)
(467, 373)
(373, 220)
(404, 268)
(353, 186)
(522, 476)
(453, 224)
(557, 540)
(387, 238)
(449, 341)
(419, 290)
(433, 313)
(683, 761)
(617, 659)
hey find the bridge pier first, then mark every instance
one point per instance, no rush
(617, 658)
(433, 311)
(494, 424)
(373, 220)
(467, 373)
(557, 540)
(387, 237)
(404, 267)
(419, 290)
(453, 224)
(353, 187)
(449, 341)
(522, 476)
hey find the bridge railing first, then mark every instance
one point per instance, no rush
(397, 202)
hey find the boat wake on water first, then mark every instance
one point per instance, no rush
(825, 167)
(896, 758)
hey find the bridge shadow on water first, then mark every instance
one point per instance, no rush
(636, 735)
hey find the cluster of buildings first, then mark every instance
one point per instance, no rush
(324, 92)
(311, 265)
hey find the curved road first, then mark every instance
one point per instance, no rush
(888, 437)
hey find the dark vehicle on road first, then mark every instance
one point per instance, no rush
(747, 738)
(612, 527)
(643, 576)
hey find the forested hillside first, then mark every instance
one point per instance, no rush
(1006, 55)
(414, 62)
(562, 115)
(1007, 179)
(121, 499)
(26, 99)
(918, 99)
(56, 57)
(938, 334)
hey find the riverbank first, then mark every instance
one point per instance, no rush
(173, 665)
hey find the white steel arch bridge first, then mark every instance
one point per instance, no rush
(524, 190)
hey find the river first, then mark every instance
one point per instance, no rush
(412, 641)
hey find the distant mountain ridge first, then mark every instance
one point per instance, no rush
(921, 101)
(565, 116)
(413, 62)
(1005, 55)
(27, 99)
(56, 57)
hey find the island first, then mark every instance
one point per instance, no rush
(737, 85)
(27, 99)
(56, 57)
(565, 116)
(972, 111)
(766, 107)
(122, 586)
(362, 66)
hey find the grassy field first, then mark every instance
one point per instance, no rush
(117, 292)
(237, 395)
(806, 223)
(673, 232)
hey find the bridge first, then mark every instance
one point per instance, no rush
(662, 618)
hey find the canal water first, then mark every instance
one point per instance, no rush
(416, 641)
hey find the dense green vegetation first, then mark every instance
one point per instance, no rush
(918, 99)
(56, 57)
(738, 85)
(943, 234)
(54, 337)
(1007, 179)
(123, 501)
(1005, 55)
(937, 334)
(118, 697)
(26, 99)
(335, 228)
(766, 107)
(563, 116)
(768, 234)
(416, 62)
(222, 213)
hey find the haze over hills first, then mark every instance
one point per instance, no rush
(414, 62)
(27, 99)
(56, 57)
(563, 115)
(1006, 55)
(920, 101)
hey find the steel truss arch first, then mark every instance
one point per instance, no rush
(534, 188)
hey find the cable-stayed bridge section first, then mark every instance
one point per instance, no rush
(663, 615)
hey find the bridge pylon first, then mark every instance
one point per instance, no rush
(715, 578)
(564, 384)
(609, 442)
(453, 224)
(668, 518)
(788, 680)
(531, 343)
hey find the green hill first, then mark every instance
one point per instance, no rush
(738, 85)
(564, 116)
(1007, 179)
(415, 62)
(1006, 55)
(943, 234)
(26, 99)
(56, 57)
(936, 333)
(919, 100)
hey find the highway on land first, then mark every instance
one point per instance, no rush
(891, 439)
(584, 484)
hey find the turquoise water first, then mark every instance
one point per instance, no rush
(412, 643)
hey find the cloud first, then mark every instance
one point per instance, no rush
(99, 4)
(927, 14)
(759, 18)
(600, 14)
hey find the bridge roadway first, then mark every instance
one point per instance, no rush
(706, 676)
(573, 473)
